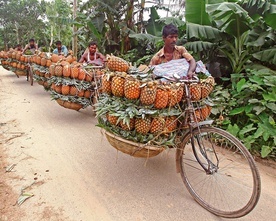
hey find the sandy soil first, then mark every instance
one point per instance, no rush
(74, 174)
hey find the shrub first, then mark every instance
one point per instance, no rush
(247, 110)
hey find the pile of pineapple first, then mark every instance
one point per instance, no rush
(14, 61)
(40, 63)
(72, 84)
(138, 108)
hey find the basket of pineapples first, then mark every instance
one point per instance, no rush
(140, 116)
(14, 61)
(72, 84)
(40, 63)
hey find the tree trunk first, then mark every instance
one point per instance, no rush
(75, 37)
(141, 28)
(52, 37)
(17, 33)
(129, 21)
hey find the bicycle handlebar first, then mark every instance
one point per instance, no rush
(177, 78)
(195, 80)
(85, 65)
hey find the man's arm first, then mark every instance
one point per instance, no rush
(191, 60)
(102, 57)
(26, 47)
(192, 67)
(55, 51)
(83, 58)
(154, 60)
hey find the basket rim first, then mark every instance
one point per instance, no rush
(138, 145)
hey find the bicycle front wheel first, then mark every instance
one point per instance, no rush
(219, 172)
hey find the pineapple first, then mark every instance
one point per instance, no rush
(106, 84)
(48, 63)
(65, 89)
(73, 91)
(172, 96)
(148, 93)
(112, 119)
(82, 74)
(66, 72)
(87, 94)
(38, 60)
(74, 72)
(88, 76)
(180, 92)
(143, 126)
(117, 86)
(132, 88)
(206, 89)
(207, 85)
(117, 64)
(58, 70)
(205, 111)
(58, 88)
(197, 115)
(195, 91)
(80, 93)
(170, 123)
(43, 61)
(128, 126)
(52, 69)
(157, 125)
(162, 98)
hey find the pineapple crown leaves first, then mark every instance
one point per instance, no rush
(80, 100)
(169, 112)
(202, 75)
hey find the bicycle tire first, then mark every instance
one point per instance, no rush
(227, 192)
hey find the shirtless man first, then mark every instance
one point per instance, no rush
(19, 48)
(32, 46)
(171, 51)
(92, 56)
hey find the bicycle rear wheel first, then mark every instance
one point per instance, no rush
(231, 187)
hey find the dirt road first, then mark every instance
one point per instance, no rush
(74, 174)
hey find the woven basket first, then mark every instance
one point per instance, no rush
(132, 148)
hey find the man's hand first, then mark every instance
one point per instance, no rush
(191, 74)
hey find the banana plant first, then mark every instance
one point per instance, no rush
(232, 33)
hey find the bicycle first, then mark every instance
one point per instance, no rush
(216, 168)
(96, 81)
(30, 75)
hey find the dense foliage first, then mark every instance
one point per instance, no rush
(247, 109)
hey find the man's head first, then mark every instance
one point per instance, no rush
(170, 35)
(18, 47)
(58, 44)
(92, 47)
(169, 29)
(32, 42)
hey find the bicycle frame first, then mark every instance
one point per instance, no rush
(190, 120)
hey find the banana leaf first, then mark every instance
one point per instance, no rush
(196, 12)
(268, 55)
(230, 18)
(203, 32)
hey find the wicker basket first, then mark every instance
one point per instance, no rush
(132, 148)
